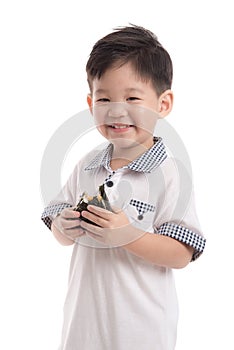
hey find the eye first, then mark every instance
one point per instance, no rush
(132, 98)
(102, 100)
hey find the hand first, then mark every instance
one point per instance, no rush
(68, 223)
(113, 228)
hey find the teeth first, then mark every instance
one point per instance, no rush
(120, 126)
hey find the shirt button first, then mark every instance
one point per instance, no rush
(140, 217)
(109, 183)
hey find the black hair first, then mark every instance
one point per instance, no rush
(138, 46)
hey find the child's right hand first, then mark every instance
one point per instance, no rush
(68, 223)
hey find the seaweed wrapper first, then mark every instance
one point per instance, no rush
(101, 200)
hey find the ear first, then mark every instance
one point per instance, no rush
(90, 101)
(165, 103)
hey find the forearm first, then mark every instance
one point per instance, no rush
(61, 238)
(161, 250)
(114, 229)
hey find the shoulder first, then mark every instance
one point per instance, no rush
(168, 171)
(177, 171)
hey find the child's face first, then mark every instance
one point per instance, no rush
(125, 107)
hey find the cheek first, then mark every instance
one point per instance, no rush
(102, 129)
(146, 120)
(99, 114)
(99, 121)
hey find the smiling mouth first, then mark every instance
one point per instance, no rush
(120, 126)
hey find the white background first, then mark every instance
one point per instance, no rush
(44, 48)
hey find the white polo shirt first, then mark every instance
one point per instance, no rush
(115, 300)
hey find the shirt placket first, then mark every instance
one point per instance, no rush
(111, 187)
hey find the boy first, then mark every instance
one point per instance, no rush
(121, 292)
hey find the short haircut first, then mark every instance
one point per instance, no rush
(135, 45)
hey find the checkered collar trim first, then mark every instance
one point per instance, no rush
(147, 162)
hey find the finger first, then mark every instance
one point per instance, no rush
(69, 223)
(95, 218)
(91, 228)
(70, 214)
(103, 213)
(64, 226)
(72, 228)
(74, 233)
(97, 238)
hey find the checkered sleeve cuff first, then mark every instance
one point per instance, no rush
(51, 211)
(184, 235)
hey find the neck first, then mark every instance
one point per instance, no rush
(123, 156)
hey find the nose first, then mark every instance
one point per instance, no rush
(117, 109)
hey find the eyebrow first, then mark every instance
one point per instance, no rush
(129, 90)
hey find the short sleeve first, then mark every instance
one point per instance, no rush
(70, 194)
(65, 199)
(177, 217)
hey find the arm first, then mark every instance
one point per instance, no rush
(117, 231)
(161, 250)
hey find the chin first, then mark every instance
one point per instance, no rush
(124, 143)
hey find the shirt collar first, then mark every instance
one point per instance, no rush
(147, 162)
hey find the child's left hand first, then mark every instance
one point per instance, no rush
(113, 228)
